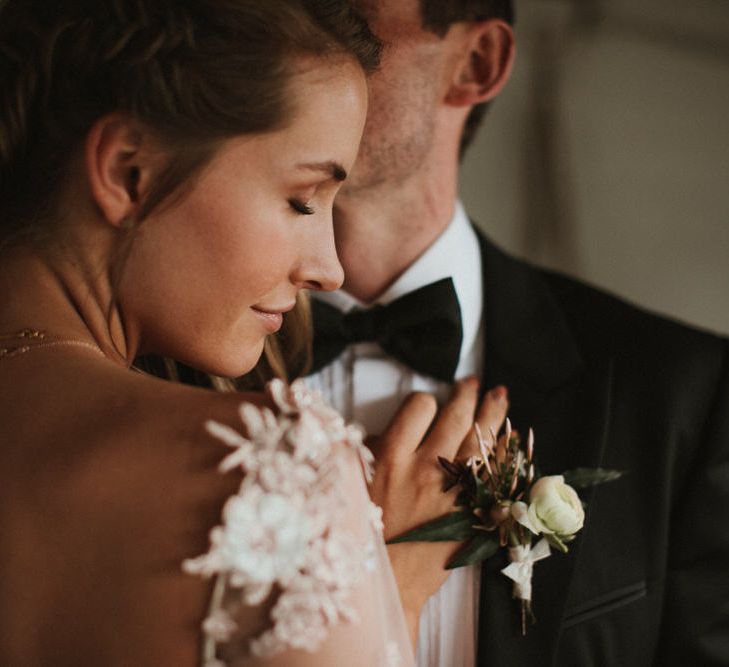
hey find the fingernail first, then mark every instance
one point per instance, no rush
(499, 393)
(471, 379)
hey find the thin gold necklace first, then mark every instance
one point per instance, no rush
(21, 338)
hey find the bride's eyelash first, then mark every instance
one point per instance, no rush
(300, 207)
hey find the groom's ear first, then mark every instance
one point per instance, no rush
(483, 68)
(120, 162)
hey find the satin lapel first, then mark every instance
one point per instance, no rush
(530, 349)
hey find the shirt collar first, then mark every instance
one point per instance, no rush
(454, 254)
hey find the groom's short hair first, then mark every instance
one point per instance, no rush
(438, 15)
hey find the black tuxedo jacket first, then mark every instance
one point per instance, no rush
(602, 383)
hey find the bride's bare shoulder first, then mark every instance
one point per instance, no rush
(114, 482)
(105, 436)
(90, 401)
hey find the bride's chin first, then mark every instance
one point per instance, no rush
(222, 363)
(229, 359)
(234, 363)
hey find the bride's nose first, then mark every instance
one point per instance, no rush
(318, 267)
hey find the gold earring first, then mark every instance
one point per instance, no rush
(126, 222)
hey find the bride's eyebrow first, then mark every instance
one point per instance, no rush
(334, 169)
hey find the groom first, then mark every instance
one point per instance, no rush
(603, 384)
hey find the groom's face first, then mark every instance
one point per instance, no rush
(404, 96)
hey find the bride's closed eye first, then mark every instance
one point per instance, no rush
(300, 206)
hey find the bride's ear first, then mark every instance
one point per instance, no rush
(484, 66)
(119, 165)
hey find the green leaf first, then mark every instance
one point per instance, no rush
(581, 478)
(463, 499)
(482, 494)
(453, 527)
(556, 542)
(479, 548)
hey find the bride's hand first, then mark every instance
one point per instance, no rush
(408, 482)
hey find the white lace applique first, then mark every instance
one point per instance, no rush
(279, 531)
(393, 657)
(376, 518)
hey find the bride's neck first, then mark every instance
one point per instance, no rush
(68, 294)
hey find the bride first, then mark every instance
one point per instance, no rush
(167, 173)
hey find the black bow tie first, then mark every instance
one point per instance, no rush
(421, 329)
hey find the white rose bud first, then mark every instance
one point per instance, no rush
(554, 508)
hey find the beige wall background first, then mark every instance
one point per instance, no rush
(607, 156)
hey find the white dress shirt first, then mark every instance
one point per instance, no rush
(367, 386)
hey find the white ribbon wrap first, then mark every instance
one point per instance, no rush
(522, 563)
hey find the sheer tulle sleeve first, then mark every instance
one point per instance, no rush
(300, 570)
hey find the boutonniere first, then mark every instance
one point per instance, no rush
(504, 503)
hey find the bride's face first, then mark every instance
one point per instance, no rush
(209, 278)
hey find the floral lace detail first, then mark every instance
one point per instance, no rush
(279, 532)
(393, 657)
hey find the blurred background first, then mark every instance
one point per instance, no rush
(607, 156)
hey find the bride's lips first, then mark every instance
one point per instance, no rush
(272, 318)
